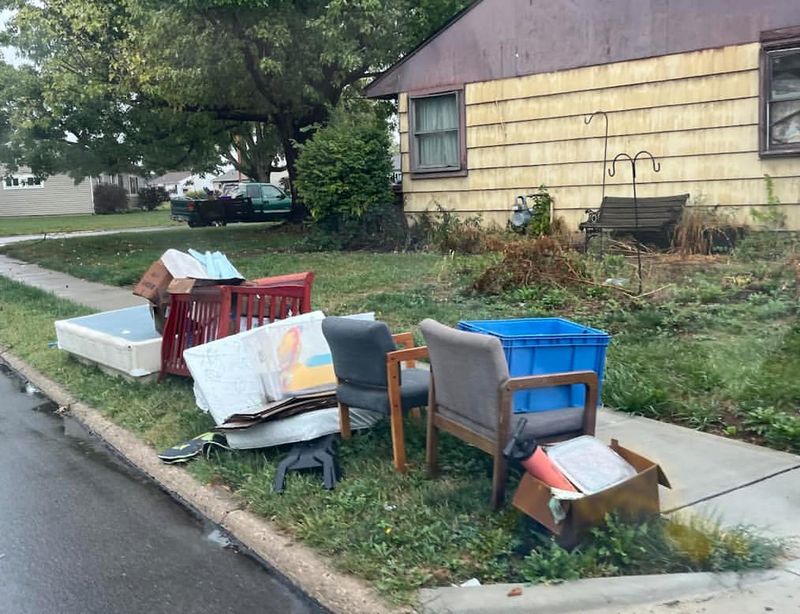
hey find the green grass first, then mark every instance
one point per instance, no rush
(400, 532)
(11, 226)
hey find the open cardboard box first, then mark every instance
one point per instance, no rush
(634, 499)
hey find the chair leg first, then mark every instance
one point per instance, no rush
(344, 421)
(499, 477)
(398, 439)
(432, 445)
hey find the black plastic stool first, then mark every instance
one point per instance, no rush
(314, 454)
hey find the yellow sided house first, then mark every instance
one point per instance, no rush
(495, 104)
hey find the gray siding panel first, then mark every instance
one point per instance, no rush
(58, 196)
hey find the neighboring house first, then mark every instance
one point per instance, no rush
(493, 105)
(129, 183)
(179, 182)
(227, 178)
(234, 176)
(24, 194)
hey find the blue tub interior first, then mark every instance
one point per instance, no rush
(540, 346)
(132, 323)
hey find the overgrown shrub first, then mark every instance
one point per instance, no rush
(447, 232)
(541, 261)
(344, 170)
(151, 197)
(109, 198)
(703, 231)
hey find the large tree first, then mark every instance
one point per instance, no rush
(166, 84)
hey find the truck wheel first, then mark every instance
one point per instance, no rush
(220, 224)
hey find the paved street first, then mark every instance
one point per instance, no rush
(81, 532)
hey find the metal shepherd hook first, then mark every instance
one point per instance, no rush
(613, 171)
(588, 120)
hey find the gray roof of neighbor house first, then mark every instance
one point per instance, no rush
(170, 178)
(497, 39)
(230, 176)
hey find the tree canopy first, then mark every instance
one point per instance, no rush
(157, 85)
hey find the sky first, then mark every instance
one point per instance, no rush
(9, 53)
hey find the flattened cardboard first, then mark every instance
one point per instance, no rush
(155, 279)
(634, 499)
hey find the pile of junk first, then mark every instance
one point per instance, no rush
(272, 371)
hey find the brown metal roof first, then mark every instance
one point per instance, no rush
(496, 39)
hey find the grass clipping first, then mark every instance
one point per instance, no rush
(541, 261)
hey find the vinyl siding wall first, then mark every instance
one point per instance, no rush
(697, 112)
(58, 196)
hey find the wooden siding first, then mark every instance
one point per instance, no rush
(58, 196)
(696, 112)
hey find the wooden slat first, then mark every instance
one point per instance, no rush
(675, 66)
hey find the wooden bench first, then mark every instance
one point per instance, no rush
(657, 214)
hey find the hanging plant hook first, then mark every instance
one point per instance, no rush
(588, 120)
(612, 172)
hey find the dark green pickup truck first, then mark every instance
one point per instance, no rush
(246, 202)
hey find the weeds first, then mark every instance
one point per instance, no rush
(703, 231)
(657, 546)
(771, 216)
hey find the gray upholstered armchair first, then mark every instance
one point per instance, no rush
(471, 398)
(367, 364)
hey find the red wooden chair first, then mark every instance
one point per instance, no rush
(214, 312)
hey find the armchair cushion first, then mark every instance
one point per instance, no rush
(413, 392)
(543, 424)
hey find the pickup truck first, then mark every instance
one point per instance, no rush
(246, 202)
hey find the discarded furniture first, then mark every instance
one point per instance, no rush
(121, 342)
(471, 398)
(212, 312)
(656, 215)
(368, 369)
(315, 454)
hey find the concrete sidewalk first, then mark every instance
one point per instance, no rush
(728, 480)
(99, 297)
(77, 234)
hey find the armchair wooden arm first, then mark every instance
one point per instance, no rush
(406, 341)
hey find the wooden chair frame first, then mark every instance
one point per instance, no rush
(394, 360)
(494, 446)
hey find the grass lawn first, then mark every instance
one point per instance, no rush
(11, 226)
(716, 350)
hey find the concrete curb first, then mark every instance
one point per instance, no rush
(306, 569)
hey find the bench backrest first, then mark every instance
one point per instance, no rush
(654, 212)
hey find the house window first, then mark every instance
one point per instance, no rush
(134, 185)
(22, 182)
(437, 133)
(781, 100)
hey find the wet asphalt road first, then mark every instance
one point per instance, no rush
(82, 532)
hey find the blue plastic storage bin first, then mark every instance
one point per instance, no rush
(538, 346)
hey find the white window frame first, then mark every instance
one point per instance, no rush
(22, 177)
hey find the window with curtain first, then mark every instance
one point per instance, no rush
(782, 101)
(435, 133)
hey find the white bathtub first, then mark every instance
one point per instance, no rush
(122, 341)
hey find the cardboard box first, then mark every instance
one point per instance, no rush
(156, 279)
(634, 499)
